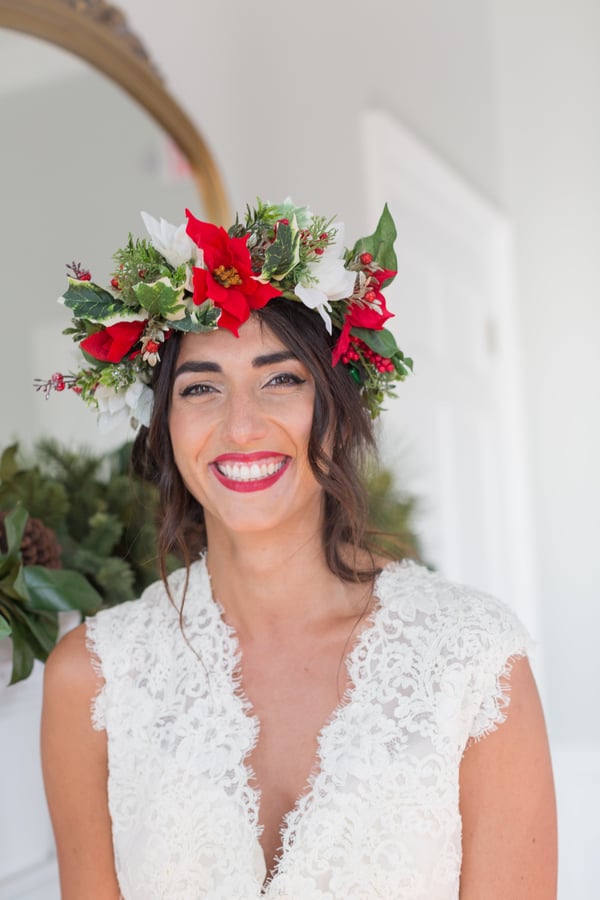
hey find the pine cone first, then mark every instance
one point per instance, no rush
(39, 546)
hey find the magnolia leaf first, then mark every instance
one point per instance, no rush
(283, 254)
(5, 627)
(380, 244)
(14, 524)
(60, 590)
(43, 632)
(22, 653)
(8, 463)
(382, 342)
(11, 584)
(90, 301)
(160, 298)
(202, 318)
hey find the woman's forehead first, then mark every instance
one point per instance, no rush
(255, 338)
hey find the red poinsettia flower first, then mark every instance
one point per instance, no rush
(378, 278)
(228, 279)
(360, 317)
(113, 343)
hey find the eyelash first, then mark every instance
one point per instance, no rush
(286, 378)
(194, 389)
(283, 380)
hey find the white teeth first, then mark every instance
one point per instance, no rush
(254, 472)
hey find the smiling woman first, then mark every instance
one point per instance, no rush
(290, 714)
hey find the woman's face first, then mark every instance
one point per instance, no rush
(240, 422)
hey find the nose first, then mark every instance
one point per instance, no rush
(244, 422)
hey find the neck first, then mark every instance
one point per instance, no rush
(275, 580)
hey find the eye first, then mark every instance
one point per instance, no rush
(285, 379)
(196, 390)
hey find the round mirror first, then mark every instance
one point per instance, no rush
(79, 159)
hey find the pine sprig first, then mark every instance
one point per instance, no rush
(137, 261)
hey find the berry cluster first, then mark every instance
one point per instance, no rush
(360, 351)
(57, 382)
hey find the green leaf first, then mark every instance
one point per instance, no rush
(201, 318)
(10, 578)
(380, 244)
(5, 628)
(60, 590)
(160, 298)
(8, 463)
(382, 342)
(90, 301)
(23, 655)
(14, 524)
(283, 254)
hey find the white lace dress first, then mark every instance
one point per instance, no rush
(380, 816)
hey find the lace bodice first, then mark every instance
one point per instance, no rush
(380, 816)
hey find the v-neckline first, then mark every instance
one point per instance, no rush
(252, 793)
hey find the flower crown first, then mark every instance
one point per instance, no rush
(198, 277)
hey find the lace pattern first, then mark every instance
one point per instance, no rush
(380, 816)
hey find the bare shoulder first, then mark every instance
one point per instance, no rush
(70, 667)
(507, 803)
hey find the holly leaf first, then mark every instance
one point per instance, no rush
(283, 254)
(202, 318)
(381, 342)
(159, 298)
(380, 244)
(90, 301)
(60, 590)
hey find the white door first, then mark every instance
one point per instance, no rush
(454, 434)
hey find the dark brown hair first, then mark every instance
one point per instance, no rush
(340, 444)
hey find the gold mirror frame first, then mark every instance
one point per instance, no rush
(98, 33)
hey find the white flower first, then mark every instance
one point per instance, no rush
(328, 279)
(133, 406)
(170, 240)
(315, 299)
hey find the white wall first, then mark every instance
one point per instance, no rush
(277, 87)
(548, 81)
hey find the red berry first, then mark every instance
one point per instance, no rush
(115, 283)
(323, 236)
(85, 276)
(142, 273)
(76, 389)
(370, 296)
(366, 258)
(152, 347)
(319, 251)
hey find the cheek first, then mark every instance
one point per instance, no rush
(186, 437)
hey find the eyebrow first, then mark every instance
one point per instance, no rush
(268, 359)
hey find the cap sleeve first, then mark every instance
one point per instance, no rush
(501, 638)
(97, 711)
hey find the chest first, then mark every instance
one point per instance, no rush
(211, 765)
